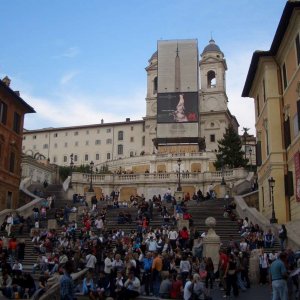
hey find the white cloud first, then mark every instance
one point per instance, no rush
(72, 109)
(71, 52)
(68, 77)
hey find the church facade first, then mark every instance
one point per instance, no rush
(124, 144)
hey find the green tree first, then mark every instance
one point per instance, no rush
(230, 151)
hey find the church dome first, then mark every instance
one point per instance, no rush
(212, 47)
(154, 56)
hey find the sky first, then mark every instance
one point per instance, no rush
(77, 62)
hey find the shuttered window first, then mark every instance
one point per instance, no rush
(258, 154)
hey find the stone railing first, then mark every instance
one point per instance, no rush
(171, 177)
(256, 217)
(54, 292)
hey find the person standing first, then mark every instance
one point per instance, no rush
(156, 273)
(283, 237)
(278, 276)
(67, 283)
(231, 276)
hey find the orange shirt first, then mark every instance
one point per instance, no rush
(157, 264)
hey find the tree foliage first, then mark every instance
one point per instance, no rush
(230, 153)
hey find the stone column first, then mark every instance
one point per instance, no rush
(211, 242)
(89, 196)
(179, 196)
(254, 266)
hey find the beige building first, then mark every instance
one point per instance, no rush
(273, 81)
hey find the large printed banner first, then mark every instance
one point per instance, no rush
(297, 175)
(177, 107)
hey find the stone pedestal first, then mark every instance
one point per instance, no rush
(211, 242)
(183, 223)
(73, 217)
(179, 196)
(222, 191)
(52, 224)
(254, 266)
(89, 196)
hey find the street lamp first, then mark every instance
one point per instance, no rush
(71, 170)
(179, 189)
(271, 187)
(222, 170)
(91, 190)
(250, 154)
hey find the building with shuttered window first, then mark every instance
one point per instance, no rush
(273, 81)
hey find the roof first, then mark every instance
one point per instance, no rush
(154, 55)
(48, 129)
(211, 47)
(28, 108)
(280, 32)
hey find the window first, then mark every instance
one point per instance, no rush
(87, 132)
(120, 135)
(65, 158)
(211, 79)
(86, 157)
(75, 157)
(23, 147)
(120, 149)
(287, 132)
(298, 48)
(45, 146)
(107, 155)
(212, 138)
(54, 159)
(12, 159)
(155, 85)
(76, 133)
(98, 130)
(17, 122)
(143, 140)
(131, 154)
(108, 141)
(34, 137)
(86, 143)
(143, 127)
(257, 105)
(66, 134)
(24, 138)
(131, 128)
(98, 142)
(46, 135)
(264, 90)
(108, 130)
(296, 126)
(132, 139)
(55, 135)
(284, 76)
(3, 112)
(66, 144)
(212, 124)
(76, 144)
(97, 156)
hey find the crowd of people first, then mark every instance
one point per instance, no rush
(163, 262)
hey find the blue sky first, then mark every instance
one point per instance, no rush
(77, 61)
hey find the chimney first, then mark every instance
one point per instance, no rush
(127, 119)
(102, 121)
(6, 81)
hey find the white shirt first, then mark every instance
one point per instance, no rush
(99, 224)
(91, 261)
(173, 235)
(187, 294)
(107, 265)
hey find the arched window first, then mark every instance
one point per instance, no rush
(211, 79)
(155, 85)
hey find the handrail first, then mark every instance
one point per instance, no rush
(54, 292)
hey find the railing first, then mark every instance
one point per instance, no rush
(189, 177)
(54, 292)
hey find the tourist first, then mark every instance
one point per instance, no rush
(231, 277)
(67, 283)
(165, 287)
(131, 288)
(282, 234)
(278, 276)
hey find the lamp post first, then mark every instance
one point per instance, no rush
(91, 190)
(250, 154)
(71, 170)
(179, 189)
(271, 187)
(222, 170)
